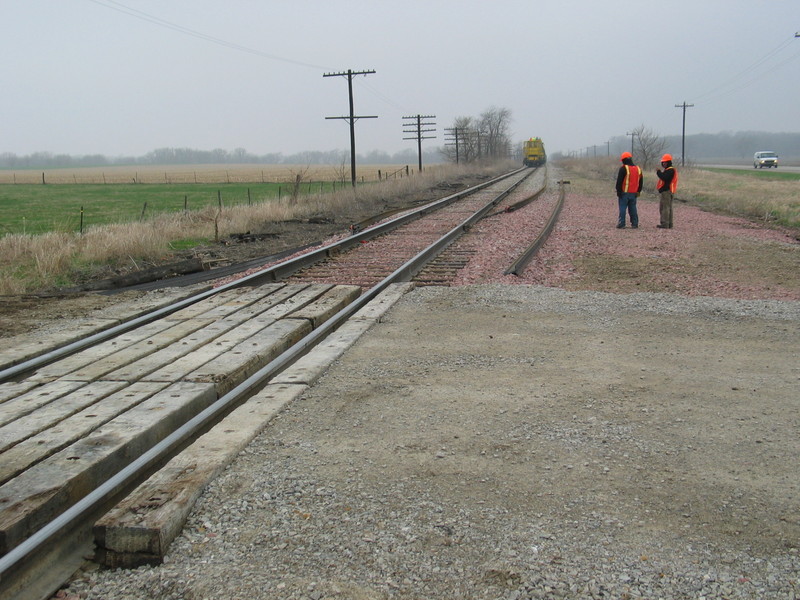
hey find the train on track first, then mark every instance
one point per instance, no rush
(533, 154)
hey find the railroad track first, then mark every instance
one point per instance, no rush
(86, 426)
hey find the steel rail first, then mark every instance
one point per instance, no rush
(19, 562)
(520, 264)
(273, 273)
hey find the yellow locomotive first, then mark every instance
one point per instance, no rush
(533, 153)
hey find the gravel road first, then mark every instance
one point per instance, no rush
(524, 441)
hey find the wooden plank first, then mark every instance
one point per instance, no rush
(328, 304)
(305, 294)
(140, 529)
(244, 324)
(34, 497)
(36, 397)
(227, 370)
(36, 448)
(225, 303)
(32, 423)
(140, 351)
(114, 352)
(12, 389)
(181, 367)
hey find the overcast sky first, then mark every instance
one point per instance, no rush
(124, 78)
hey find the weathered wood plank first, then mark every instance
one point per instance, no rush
(168, 342)
(34, 497)
(71, 363)
(12, 389)
(36, 397)
(36, 448)
(140, 529)
(53, 412)
(327, 305)
(244, 324)
(225, 303)
(305, 294)
(227, 370)
(93, 363)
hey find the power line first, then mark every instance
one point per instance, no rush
(732, 81)
(132, 12)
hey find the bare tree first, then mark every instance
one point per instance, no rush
(494, 125)
(342, 170)
(484, 137)
(650, 147)
(467, 148)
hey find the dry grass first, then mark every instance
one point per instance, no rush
(196, 174)
(30, 263)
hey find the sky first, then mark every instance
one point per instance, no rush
(122, 78)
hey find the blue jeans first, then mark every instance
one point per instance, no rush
(627, 202)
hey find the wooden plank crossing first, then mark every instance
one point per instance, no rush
(78, 420)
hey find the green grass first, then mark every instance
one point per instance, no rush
(774, 174)
(34, 209)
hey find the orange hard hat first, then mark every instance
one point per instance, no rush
(625, 155)
(666, 158)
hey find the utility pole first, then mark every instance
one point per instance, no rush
(684, 106)
(455, 134)
(417, 132)
(608, 148)
(632, 136)
(352, 118)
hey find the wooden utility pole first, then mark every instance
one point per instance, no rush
(455, 134)
(418, 132)
(352, 118)
(632, 136)
(684, 106)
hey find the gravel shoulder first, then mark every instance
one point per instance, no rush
(621, 422)
(517, 442)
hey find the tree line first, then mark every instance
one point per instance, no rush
(189, 156)
(486, 136)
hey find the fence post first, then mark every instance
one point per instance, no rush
(81, 225)
(219, 198)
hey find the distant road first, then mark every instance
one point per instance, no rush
(790, 169)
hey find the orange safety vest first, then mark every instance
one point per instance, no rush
(633, 175)
(673, 185)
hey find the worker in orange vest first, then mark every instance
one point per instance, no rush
(629, 186)
(666, 186)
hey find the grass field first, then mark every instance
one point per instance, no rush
(765, 173)
(72, 200)
(41, 249)
(172, 174)
(26, 208)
